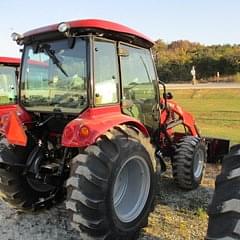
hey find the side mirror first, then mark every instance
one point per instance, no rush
(167, 95)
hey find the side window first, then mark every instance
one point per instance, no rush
(138, 74)
(137, 66)
(8, 86)
(105, 72)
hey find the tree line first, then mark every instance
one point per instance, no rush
(174, 61)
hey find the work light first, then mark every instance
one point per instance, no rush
(16, 36)
(63, 27)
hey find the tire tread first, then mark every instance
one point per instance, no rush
(224, 209)
(88, 214)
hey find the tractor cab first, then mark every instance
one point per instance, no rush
(72, 67)
(9, 68)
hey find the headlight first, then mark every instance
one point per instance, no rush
(16, 36)
(63, 27)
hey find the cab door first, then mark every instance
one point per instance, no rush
(139, 85)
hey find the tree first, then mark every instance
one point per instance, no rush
(175, 60)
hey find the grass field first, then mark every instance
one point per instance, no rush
(217, 111)
(182, 215)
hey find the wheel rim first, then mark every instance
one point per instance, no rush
(131, 189)
(198, 163)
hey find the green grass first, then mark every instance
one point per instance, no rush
(217, 111)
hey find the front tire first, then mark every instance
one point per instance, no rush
(111, 186)
(224, 211)
(189, 162)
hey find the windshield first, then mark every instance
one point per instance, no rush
(8, 91)
(54, 76)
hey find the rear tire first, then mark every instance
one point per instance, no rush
(111, 186)
(224, 211)
(189, 162)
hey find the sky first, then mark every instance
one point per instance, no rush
(204, 21)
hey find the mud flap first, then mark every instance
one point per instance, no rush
(217, 148)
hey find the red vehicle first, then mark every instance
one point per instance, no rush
(9, 68)
(92, 122)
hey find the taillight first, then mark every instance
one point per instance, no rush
(84, 131)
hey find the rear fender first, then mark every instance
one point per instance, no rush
(84, 130)
(217, 148)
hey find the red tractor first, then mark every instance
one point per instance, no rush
(92, 127)
(9, 68)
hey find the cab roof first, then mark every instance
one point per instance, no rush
(91, 25)
(10, 61)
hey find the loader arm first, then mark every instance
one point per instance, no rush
(173, 115)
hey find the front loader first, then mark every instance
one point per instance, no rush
(93, 127)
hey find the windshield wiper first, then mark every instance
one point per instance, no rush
(54, 58)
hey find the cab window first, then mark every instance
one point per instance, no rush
(105, 72)
(138, 76)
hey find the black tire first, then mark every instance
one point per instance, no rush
(189, 162)
(224, 210)
(15, 188)
(91, 192)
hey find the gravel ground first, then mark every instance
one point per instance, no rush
(178, 215)
(181, 215)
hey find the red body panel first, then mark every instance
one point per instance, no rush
(98, 121)
(95, 24)
(14, 130)
(168, 116)
(12, 118)
(6, 109)
(10, 61)
(23, 116)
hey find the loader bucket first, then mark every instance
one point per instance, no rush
(217, 148)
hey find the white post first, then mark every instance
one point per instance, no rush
(193, 73)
